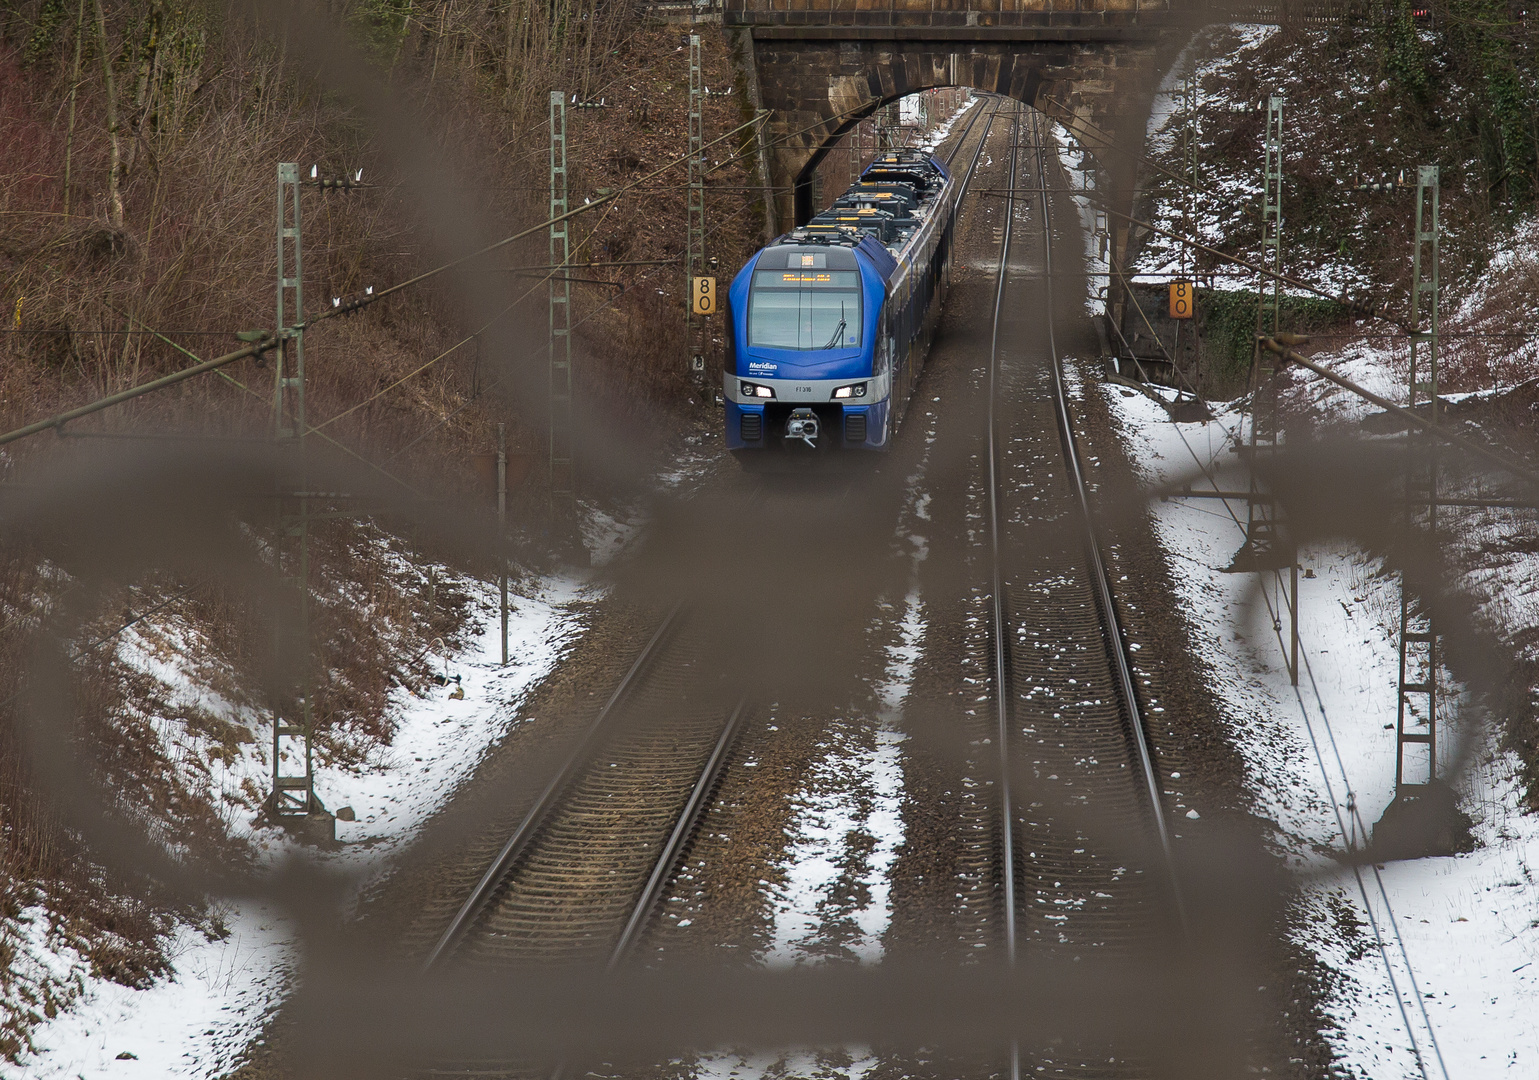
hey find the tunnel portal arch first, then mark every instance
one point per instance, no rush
(818, 81)
(817, 88)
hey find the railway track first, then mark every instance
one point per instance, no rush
(1083, 847)
(582, 874)
(1074, 854)
(579, 877)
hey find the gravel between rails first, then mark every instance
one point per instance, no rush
(408, 909)
(569, 895)
(576, 883)
(944, 883)
(1091, 878)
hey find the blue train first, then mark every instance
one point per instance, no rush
(828, 326)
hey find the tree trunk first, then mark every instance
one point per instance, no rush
(115, 159)
(74, 88)
(144, 86)
(510, 51)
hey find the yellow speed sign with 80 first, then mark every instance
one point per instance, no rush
(1181, 300)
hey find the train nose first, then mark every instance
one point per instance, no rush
(803, 424)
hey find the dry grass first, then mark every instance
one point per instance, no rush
(206, 105)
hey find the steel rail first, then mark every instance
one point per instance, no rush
(663, 869)
(476, 902)
(1001, 660)
(1116, 641)
(688, 823)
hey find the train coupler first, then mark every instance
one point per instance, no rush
(803, 424)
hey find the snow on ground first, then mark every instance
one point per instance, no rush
(606, 535)
(939, 133)
(1495, 304)
(847, 823)
(1166, 133)
(1374, 364)
(697, 455)
(1222, 57)
(854, 793)
(195, 1023)
(1441, 951)
(1076, 160)
(844, 1065)
(441, 739)
(846, 828)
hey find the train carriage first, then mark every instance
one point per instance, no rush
(828, 327)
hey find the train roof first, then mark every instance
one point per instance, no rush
(879, 213)
(881, 223)
(903, 194)
(907, 166)
(836, 237)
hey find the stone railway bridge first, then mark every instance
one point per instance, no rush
(821, 66)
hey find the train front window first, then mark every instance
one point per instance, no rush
(804, 309)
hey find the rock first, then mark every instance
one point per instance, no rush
(319, 828)
(1422, 820)
(128, 1055)
(345, 813)
(1189, 411)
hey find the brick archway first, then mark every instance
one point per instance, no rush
(821, 66)
(816, 93)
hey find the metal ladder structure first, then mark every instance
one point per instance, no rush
(696, 328)
(293, 792)
(563, 481)
(1189, 155)
(1269, 546)
(1271, 206)
(1187, 91)
(852, 145)
(1418, 637)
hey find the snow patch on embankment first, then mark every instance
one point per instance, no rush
(1439, 957)
(196, 1022)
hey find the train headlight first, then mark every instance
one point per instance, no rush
(854, 390)
(754, 390)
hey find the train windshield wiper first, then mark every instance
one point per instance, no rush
(838, 330)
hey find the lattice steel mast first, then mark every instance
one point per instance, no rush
(1418, 637)
(563, 491)
(696, 330)
(293, 791)
(1268, 545)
